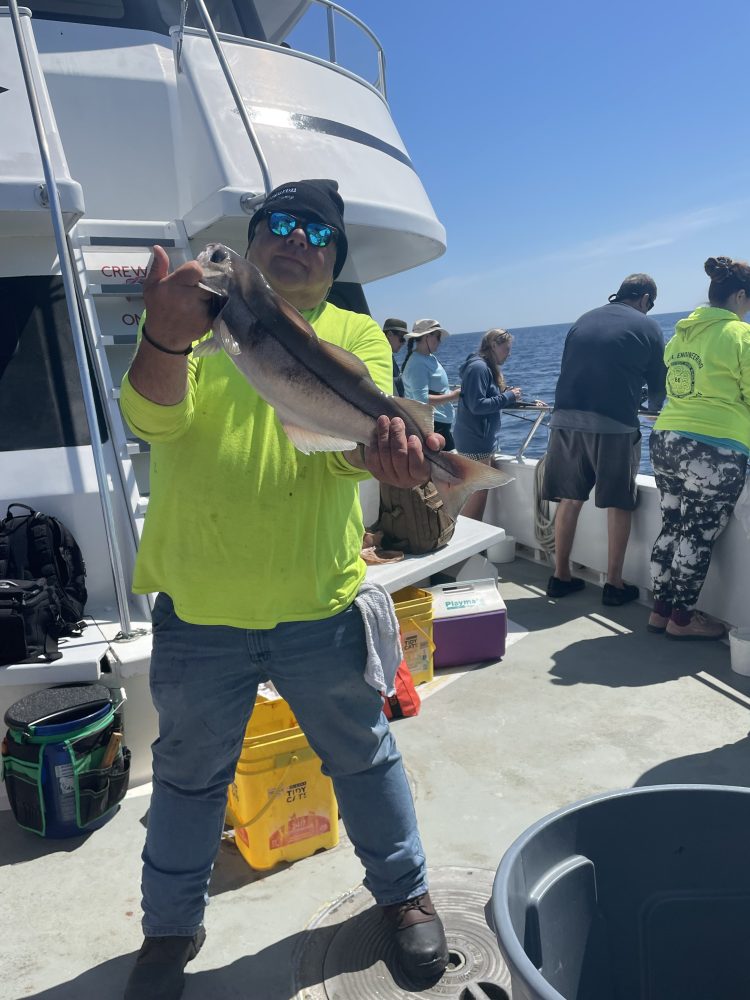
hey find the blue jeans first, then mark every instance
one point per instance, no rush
(204, 680)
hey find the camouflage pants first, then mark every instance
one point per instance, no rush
(699, 486)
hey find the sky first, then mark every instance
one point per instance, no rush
(564, 145)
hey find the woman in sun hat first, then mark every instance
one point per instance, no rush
(700, 446)
(424, 377)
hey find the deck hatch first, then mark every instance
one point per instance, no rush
(346, 952)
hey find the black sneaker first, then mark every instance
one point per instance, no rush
(561, 588)
(159, 972)
(613, 596)
(419, 938)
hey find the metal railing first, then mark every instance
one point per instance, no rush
(79, 341)
(234, 89)
(331, 10)
(540, 412)
(646, 418)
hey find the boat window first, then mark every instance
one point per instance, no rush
(222, 13)
(80, 10)
(41, 402)
(229, 16)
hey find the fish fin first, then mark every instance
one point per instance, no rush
(213, 291)
(207, 347)
(422, 414)
(308, 441)
(295, 317)
(346, 359)
(228, 342)
(457, 477)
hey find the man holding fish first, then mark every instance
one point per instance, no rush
(260, 435)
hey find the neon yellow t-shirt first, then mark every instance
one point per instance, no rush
(241, 528)
(708, 377)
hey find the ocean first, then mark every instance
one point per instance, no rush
(534, 365)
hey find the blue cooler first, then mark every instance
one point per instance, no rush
(64, 765)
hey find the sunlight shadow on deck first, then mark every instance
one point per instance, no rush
(232, 872)
(266, 974)
(622, 660)
(726, 765)
(21, 846)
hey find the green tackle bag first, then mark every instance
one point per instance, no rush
(64, 764)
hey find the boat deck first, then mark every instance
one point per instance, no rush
(585, 700)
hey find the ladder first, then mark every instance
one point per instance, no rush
(110, 259)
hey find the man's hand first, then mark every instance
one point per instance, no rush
(397, 460)
(177, 312)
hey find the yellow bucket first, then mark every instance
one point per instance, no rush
(414, 613)
(281, 807)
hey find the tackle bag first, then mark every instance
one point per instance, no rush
(63, 760)
(414, 520)
(37, 549)
(405, 700)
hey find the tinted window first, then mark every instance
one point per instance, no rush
(105, 10)
(230, 16)
(41, 402)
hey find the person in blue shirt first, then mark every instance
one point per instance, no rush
(424, 377)
(483, 396)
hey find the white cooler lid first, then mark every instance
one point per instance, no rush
(465, 597)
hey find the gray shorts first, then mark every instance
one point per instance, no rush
(577, 460)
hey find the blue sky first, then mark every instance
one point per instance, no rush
(564, 145)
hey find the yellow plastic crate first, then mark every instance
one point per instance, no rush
(414, 612)
(281, 806)
(271, 718)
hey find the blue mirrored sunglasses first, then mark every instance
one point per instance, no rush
(282, 224)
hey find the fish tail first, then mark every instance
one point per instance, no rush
(457, 477)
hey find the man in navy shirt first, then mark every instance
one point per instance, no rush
(595, 438)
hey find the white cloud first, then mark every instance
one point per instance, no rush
(656, 233)
(557, 285)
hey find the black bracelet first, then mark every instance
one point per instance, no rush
(159, 347)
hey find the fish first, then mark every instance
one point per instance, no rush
(323, 395)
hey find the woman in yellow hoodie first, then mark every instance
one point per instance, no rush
(700, 446)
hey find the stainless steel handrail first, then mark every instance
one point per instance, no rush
(231, 83)
(541, 413)
(647, 418)
(332, 8)
(79, 342)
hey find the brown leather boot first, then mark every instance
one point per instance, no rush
(419, 938)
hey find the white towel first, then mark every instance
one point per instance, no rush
(381, 630)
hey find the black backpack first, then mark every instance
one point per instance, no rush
(42, 585)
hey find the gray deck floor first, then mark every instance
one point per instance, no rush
(586, 701)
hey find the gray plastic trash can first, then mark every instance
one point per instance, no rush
(642, 894)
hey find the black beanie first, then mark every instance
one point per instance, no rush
(318, 200)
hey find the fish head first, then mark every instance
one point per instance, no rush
(243, 296)
(220, 266)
